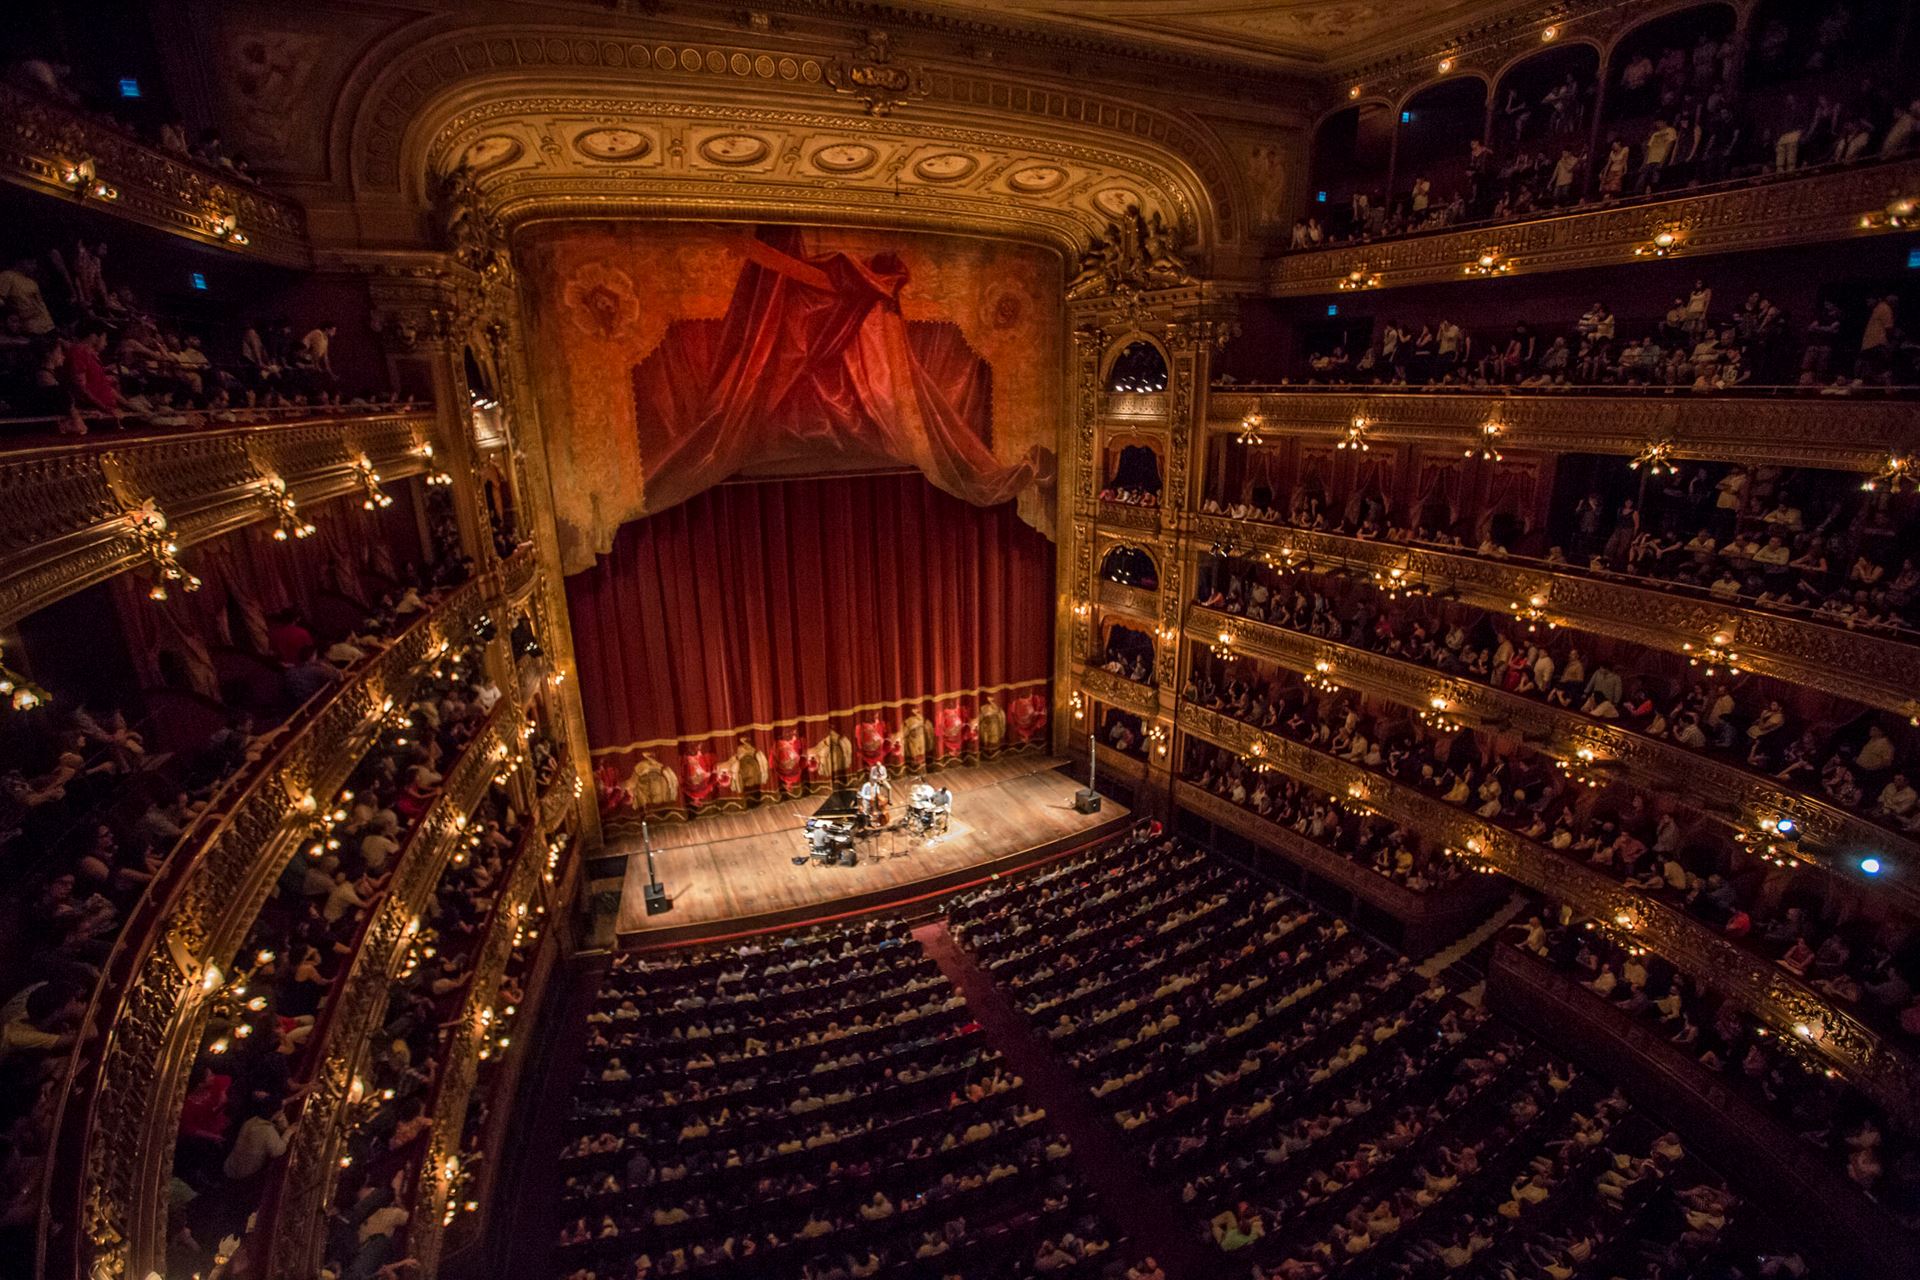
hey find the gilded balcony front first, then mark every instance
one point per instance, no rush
(1771, 994)
(64, 508)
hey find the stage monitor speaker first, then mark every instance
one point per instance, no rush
(849, 857)
(658, 903)
(1086, 800)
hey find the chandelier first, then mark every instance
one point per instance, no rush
(1321, 677)
(1438, 715)
(1657, 458)
(149, 527)
(1897, 470)
(1533, 612)
(1488, 450)
(376, 497)
(1356, 435)
(1250, 429)
(1716, 655)
(1489, 263)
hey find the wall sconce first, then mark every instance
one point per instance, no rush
(1445, 64)
(1897, 216)
(1398, 582)
(1321, 677)
(1356, 435)
(1082, 610)
(1717, 653)
(226, 226)
(148, 525)
(1489, 263)
(1774, 840)
(1533, 612)
(1581, 768)
(1222, 647)
(1665, 243)
(1353, 91)
(1438, 715)
(1549, 34)
(1157, 735)
(1488, 450)
(1079, 705)
(370, 482)
(286, 512)
(1359, 278)
(1256, 757)
(1657, 458)
(21, 693)
(84, 182)
(1250, 429)
(1896, 471)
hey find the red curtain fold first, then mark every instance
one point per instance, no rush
(814, 357)
(763, 637)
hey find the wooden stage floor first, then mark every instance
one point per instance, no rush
(736, 871)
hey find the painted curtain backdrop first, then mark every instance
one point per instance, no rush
(768, 637)
(673, 356)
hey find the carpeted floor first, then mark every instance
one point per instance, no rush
(1149, 1215)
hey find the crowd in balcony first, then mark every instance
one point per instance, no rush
(742, 1115)
(1389, 849)
(1674, 122)
(1314, 1106)
(79, 352)
(1864, 962)
(1847, 755)
(257, 1059)
(1778, 1074)
(54, 81)
(1691, 346)
(1805, 542)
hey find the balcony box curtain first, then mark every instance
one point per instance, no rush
(770, 637)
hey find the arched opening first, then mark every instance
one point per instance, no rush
(1130, 567)
(1546, 101)
(1667, 85)
(1813, 77)
(1438, 127)
(1132, 471)
(1351, 151)
(1139, 368)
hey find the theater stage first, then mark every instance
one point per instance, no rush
(736, 872)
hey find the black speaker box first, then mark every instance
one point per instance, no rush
(658, 903)
(849, 857)
(1086, 800)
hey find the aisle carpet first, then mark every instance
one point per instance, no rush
(1148, 1214)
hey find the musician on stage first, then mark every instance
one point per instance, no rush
(873, 804)
(920, 802)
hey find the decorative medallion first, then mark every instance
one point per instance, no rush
(1114, 201)
(1037, 179)
(735, 149)
(600, 299)
(845, 157)
(613, 144)
(872, 76)
(491, 150)
(948, 166)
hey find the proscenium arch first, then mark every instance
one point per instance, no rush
(402, 96)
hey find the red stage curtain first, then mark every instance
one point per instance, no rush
(763, 637)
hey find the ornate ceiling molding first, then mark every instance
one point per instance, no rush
(756, 125)
(1811, 210)
(1832, 433)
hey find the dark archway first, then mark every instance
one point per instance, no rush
(1140, 367)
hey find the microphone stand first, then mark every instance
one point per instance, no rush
(1093, 760)
(656, 894)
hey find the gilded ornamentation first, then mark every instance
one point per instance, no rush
(1866, 668)
(1726, 794)
(1765, 990)
(1137, 252)
(1811, 210)
(872, 76)
(1118, 691)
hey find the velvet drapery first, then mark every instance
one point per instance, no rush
(769, 637)
(814, 357)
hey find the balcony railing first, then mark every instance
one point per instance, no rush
(1427, 919)
(114, 1129)
(1128, 695)
(292, 1221)
(48, 147)
(64, 508)
(1833, 432)
(1768, 992)
(1135, 600)
(1747, 215)
(1866, 668)
(1725, 793)
(1812, 1202)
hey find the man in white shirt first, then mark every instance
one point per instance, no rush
(21, 299)
(316, 349)
(1659, 149)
